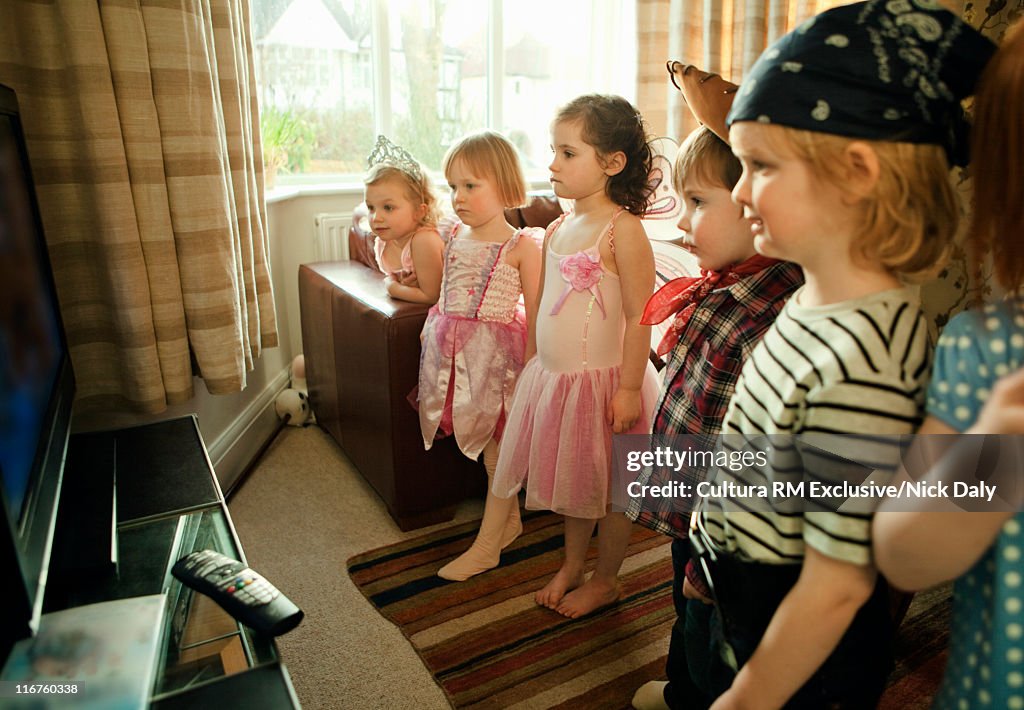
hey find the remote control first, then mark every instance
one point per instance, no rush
(247, 596)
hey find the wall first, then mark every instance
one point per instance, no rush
(291, 213)
(237, 426)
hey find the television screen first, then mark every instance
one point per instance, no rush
(36, 388)
(30, 344)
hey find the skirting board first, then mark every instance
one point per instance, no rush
(234, 450)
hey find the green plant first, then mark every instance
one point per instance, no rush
(287, 140)
(344, 135)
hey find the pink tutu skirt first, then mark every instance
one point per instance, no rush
(558, 442)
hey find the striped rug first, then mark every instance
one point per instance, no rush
(486, 642)
(920, 651)
(488, 645)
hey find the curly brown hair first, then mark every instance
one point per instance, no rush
(611, 124)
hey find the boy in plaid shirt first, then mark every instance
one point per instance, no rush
(718, 319)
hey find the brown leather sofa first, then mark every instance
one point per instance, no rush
(362, 353)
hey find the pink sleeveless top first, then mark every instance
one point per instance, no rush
(408, 269)
(579, 321)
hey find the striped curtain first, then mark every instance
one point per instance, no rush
(143, 135)
(727, 37)
(721, 37)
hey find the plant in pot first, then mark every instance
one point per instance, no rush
(287, 142)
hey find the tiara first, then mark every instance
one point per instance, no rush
(387, 153)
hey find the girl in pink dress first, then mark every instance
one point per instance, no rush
(403, 218)
(592, 376)
(474, 339)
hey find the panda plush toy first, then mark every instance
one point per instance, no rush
(292, 404)
(292, 407)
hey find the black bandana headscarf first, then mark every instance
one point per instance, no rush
(891, 70)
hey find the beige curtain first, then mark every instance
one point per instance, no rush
(721, 37)
(727, 37)
(143, 136)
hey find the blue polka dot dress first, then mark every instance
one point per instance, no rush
(986, 653)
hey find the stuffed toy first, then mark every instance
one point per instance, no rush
(292, 404)
(292, 407)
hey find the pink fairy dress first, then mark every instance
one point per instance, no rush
(557, 440)
(474, 340)
(408, 268)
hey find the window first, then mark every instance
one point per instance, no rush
(334, 73)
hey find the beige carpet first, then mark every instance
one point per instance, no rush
(304, 510)
(300, 514)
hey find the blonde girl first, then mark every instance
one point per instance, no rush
(474, 339)
(971, 391)
(403, 217)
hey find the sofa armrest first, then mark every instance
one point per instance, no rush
(542, 208)
(362, 353)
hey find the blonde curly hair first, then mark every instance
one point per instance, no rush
(417, 189)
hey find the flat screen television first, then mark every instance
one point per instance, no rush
(36, 389)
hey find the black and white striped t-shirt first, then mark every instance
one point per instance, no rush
(858, 369)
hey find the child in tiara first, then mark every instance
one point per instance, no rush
(840, 127)
(592, 376)
(977, 350)
(403, 218)
(718, 318)
(474, 339)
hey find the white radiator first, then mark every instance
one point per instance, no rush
(330, 233)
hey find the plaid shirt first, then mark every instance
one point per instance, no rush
(702, 369)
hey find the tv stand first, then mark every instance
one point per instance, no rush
(168, 503)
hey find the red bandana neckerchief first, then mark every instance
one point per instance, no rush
(680, 297)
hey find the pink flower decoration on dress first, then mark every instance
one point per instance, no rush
(582, 272)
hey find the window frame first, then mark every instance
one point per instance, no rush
(302, 184)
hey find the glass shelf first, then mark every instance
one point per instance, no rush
(202, 641)
(168, 503)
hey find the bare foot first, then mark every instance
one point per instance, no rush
(563, 581)
(593, 595)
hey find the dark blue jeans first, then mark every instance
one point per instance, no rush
(853, 676)
(696, 673)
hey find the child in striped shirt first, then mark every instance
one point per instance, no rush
(847, 177)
